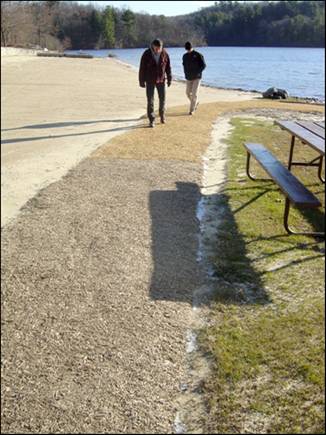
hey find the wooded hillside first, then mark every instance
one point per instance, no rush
(69, 25)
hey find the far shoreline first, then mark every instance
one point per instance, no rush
(18, 51)
(291, 99)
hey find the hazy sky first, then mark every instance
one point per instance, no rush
(168, 8)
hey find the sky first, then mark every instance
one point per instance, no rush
(168, 8)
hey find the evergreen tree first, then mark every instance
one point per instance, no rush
(128, 19)
(109, 18)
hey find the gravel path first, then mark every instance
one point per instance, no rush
(96, 304)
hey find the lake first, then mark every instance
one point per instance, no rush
(300, 71)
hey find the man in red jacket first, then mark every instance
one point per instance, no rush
(154, 69)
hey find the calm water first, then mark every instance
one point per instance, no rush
(298, 70)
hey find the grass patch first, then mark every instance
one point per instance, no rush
(266, 337)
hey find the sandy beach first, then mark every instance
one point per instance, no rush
(56, 111)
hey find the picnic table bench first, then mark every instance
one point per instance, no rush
(295, 192)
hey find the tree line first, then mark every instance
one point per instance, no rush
(70, 25)
(283, 23)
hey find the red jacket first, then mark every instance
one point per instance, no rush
(152, 73)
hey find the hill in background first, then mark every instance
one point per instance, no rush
(69, 25)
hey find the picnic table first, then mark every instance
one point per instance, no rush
(311, 134)
(296, 194)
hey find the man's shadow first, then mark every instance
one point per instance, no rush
(177, 274)
(174, 243)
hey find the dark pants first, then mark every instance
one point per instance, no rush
(150, 88)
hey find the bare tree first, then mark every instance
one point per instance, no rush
(7, 22)
(17, 26)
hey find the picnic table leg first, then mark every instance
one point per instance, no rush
(291, 153)
(248, 171)
(248, 167)
(289, 230)
(320, 170)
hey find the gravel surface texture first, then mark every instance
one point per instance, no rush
(96, 304)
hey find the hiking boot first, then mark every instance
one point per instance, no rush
(152, 124)
(163, 121)
(196, 107)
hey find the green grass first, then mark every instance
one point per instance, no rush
(266, 339)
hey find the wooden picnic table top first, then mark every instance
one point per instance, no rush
(314, 128)
(311, 133)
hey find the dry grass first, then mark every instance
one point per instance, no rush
(184, 137)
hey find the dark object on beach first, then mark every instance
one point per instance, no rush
(81, 56)
(275, 94)
(48, 54)
(111, 55)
